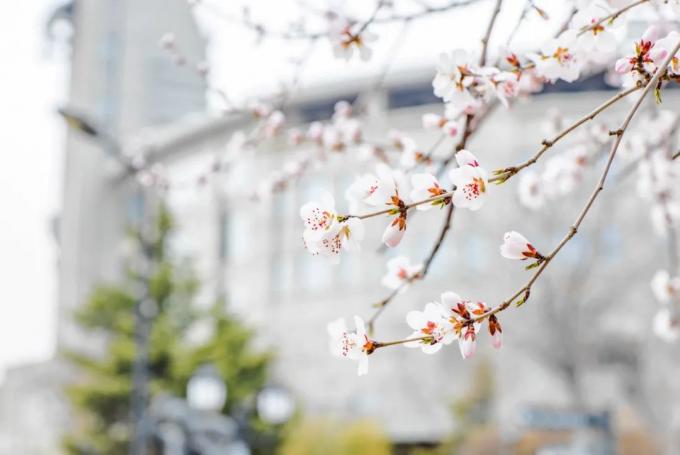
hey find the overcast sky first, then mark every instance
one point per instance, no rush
(33, 84)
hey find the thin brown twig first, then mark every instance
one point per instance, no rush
(383, 344)
(487, 34)
(262, 31)
(396, 210)
(589, 203)
(502, 175)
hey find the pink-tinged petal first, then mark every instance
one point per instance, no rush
(652, 34)
(467, 347)
(515, 246)
(466, 158)
(497, 340)
(393, 235)
(623, 65)
(451, 128)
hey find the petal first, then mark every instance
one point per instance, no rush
(466, 158)
(393, 235)
(416, 320)
(363, 365)
(431, 348)
(450, 299)
(361, 328)
(423, 181)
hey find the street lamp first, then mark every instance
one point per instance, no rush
(206, 391)
(275, 405)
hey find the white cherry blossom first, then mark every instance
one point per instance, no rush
(666, 326)
(594, 42)
(433, 324)
(470, 180)
(461, 314)
(455, 74)
(324, 234)
(665, 288)
(426, 186)
(530, 190)
(399, 272)
(353, 345)
(347, 38)
(516, 246)
(557, 59)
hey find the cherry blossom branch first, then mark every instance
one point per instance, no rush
(502, 175)
(487, 34)
(395, 210)
(611, 17)
(526, 289)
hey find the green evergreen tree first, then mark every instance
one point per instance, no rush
(101, 399)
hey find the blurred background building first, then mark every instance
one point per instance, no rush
(579, 366)
(122, 78)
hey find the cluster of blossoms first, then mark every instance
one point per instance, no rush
(650, 146)
(650, 51)
(272, 120)
(465, 86)
(390, 192)
(468, 86)
(281, 179)
(453, 318)
(439, 323)
(666, 289)
(588, 40)
(340, 133)
(348, 37)
(326, 233)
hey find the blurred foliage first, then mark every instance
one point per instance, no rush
(474, 431)
(329, 437)
(102, 398)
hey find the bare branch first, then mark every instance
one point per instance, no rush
(502, 175)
